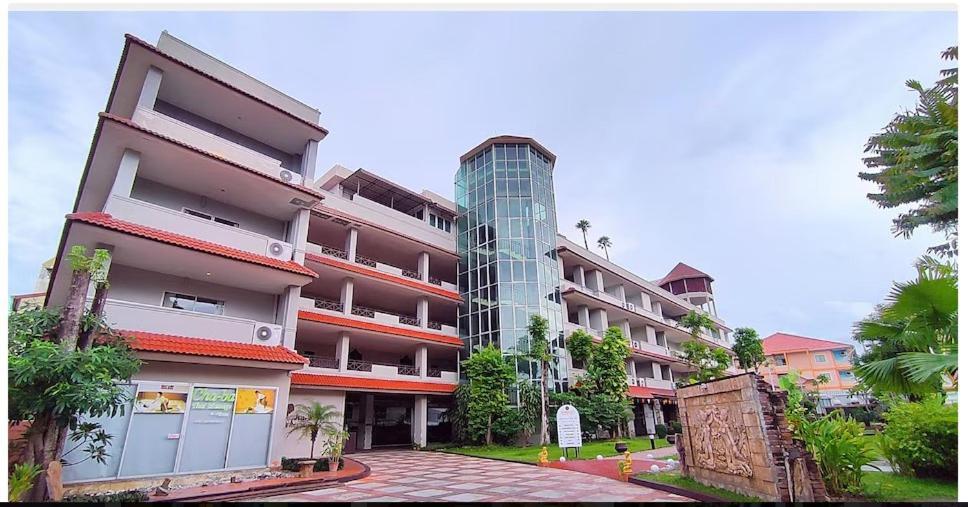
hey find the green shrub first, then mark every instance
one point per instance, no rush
(675, 427)
(21, 480)
(840, 448)
(321, 465)
(661, 431)
(130, 496)
(921, 439)
(508, 427)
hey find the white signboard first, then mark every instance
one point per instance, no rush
(569, 427)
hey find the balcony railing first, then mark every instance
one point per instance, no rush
(379, 315)
(369, 366)
(375, 264)
(328, 304)
(323, 361)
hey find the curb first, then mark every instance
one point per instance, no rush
(702, 497)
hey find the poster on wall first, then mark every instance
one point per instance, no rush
(160, 398)
(255, 401)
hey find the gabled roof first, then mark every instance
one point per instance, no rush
(106, 221)
(344, 382)
(682, 271)
(778, 343)
(156, 342)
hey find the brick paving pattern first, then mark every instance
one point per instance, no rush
(408, 476)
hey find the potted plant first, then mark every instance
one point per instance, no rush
(334, 447)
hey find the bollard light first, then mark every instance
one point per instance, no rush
(652, 439)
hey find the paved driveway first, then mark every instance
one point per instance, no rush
(400, 476)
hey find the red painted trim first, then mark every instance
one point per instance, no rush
(106, 221)
(130, 124)
(310, 379)
(156, 342)
(380, 328)
(373, 273)
(157, 51)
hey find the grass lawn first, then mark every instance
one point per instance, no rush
(529, 454)
(888, 487)
(676, 479)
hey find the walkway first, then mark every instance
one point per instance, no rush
(401, 476)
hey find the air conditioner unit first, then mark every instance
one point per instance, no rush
(636, 344)
(267, 334)
(630, 307)
(631, 381)
(290, 177)
(641, 382)
(279, 250)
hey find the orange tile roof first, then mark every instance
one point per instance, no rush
(682, 271)
(380, 328)
(156, 342)
(650, 392)
(128, 123)
(373, 273)
(778, 343)
(346, 382)
(106, 221)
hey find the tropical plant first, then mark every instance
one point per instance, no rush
(912, 339)
(336, 438)
(583, 226)
(840, 449)
(605, 243)
(748, 348)
(529, 408)
(458, 415)
(580, 345)
(490, 376)
(309, 421)
(21, 480)
(708, 363)
(539, 350)
(607, 377)
(915, 160)
(695, 322)
(921, 438)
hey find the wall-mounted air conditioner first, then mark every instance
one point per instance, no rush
(631, 381)
(630, 307)
(267, 334)
(636, 344)
(641, 382)
(290, 177)
(279, 250)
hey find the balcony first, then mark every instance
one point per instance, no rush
(131, 316)
(652, 348)
(387, 371)
(659, 383)
(193, 136)
(159, 217)
(335, 253)
(388, 218)
(384, 317)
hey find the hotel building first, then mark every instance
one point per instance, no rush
(250, 284)
(812, 359)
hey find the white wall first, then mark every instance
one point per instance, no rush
(293, 445)
(148, 287)
(172, 198)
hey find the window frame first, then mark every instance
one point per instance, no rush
(220, 304)
(210, 217)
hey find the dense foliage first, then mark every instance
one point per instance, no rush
(921, 438)
(321, 464)
(579, 345)
(748, 348)
(309, 421)
(914, 160)
(21, 480)
(120, 497)
(489, 376)
(709, 363)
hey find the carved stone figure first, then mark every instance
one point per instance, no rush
(720, 443)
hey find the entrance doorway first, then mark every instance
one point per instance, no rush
(377, 420)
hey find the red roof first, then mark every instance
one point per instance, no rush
(650, 392)
(346, 382)
(325, 318)
(106, 221)
(155, 342)
(777, 343)
(363, 270)
(682, 271)
(157, 51)
(128, 123)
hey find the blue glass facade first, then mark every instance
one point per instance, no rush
(508, 264)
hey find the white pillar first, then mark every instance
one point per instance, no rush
(595, 280)
(421, 360)
(127, 172)
(599, 319)
(298, 234)
(352, 235)
(657, 370)
(645, 301)
(368, 422)
(584, 318)
(423, 266)
(419, 420)
(631, 369)
(346, 296)
(289, 315)
(626, 329)
(650, 335)
(308, 162)
(579, 275)
(620, 293)
(657, 308)
(423, 311)
(149, 90)
(343, 350)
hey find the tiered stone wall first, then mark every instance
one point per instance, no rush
(735, 436)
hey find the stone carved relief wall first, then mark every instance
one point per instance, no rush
(722, 443)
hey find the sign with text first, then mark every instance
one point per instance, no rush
(569, 427)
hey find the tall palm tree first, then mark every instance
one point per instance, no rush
(583, 226)
(604, 242)
(311, 420)
(540, 351)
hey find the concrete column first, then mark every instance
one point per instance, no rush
(298, 234)
(351, 238)
(426, 213)
(343, 350)
(599, 319)
(423, 266)
(368, 421)
(645, 301)
(657, 370)
(595, 280)
(657, 308)
(423, 311)
(579, 275)
(346, 296)
(308, 163)
(127, 172)
(289, 315)
(712, 303)
(584, 318)
(620, 293)
(650, 335)
(149, 90)
(421, 360)
(419, 420)
(626, 328)
(631, 369)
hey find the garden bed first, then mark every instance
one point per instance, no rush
(529, 454)
(702, 491)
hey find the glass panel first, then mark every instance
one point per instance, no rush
(207, 432)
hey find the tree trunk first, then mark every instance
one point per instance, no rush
(73, 310)
(97, 309)
(45, 439)
(545, 437)
(487, 438)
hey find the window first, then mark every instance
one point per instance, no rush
(193, 303)
(439, 222)
(841, 356)
(779, 360)
(847, 375)
(206, 216)
(820, 358)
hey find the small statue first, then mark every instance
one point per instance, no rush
(625, 466)
(543, 457)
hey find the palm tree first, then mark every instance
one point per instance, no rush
(311, 420)
(540, 351)
(583, 226)
(604, 242)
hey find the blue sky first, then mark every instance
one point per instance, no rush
(729, 141)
